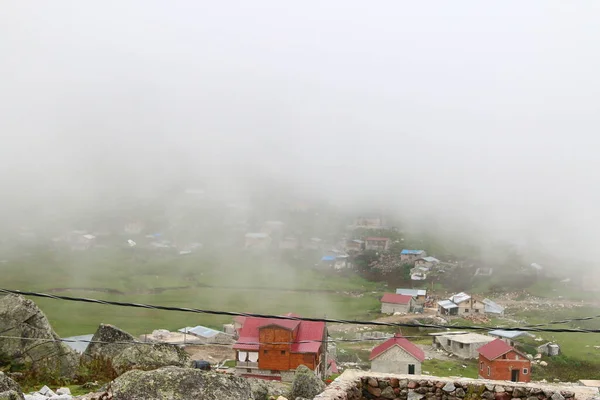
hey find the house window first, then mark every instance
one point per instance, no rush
(466, 310)
(265, 351)
(461, 345)
(283, 352)
(525, 371)
(504, 356)
(477, 310)
(489, 371)
(448, 342)
(481, 366)
(248, 370)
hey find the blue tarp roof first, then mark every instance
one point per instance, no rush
(328, 258)
(199, 331)
(415, 252)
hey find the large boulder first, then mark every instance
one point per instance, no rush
(150, 356)
(9, 388)
(112, 341)
(39, 347)
(306, 384)
(175, 383)
(260, 389)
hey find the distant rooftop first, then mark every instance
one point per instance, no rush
(459, 297)
(412, 252)
(468, 338)
(412, 292)
(328, 258)
(447, 304)
(199, 331)
(79, 347)
(509, 334)
(431, 259)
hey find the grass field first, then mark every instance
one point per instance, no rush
(231, 282)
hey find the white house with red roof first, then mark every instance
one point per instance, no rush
(272, 348)
(397, 355)
(396, 303)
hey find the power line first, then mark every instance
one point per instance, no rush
(66, 340)
(286, 317)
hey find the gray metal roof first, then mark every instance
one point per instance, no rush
(509, 334)
(199, 330)
(460, 297)
(492, 307)
(447, 304)
(78, 346)
(412, 292)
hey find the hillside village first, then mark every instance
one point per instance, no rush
(412, 285)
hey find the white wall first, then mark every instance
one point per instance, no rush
(395, 361)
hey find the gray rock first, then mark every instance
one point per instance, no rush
(488, 395)
(449, 387)
(519, 392)
(259, 388)
(46, 391)
(9, 387)
(557, 396)
(306, 383)
(149, 356)
(35, 396)
(63, 390)
(42, 351)
(10, 395)
(533, 398)
(412, 395)
(499, 389)
(61, 397)
(489, 386)
(118, 340)
(179, 384)
(388, 393)
(460, 392)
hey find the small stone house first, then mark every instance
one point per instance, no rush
(499, 361)
(377, 243)
(409, 256)
(396, 303)
(397, 355)
(463, 345)
(427, 262)
(467, 305)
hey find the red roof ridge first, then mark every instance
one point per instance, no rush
(403, 343)
(396, 298)
(497, 348)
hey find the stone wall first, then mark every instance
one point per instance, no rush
(359, 385)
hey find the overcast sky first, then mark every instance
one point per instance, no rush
(486, 111)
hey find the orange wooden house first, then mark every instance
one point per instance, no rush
(499, 361)
(271, 348)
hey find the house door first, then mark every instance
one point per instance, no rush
(411, 369)
(514, 375)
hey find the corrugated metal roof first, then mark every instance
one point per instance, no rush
(199, 330)
(447, 304)
(492, 307)
(412, 252)
(431, 259)
(79, 347)
(509, 334)
(460, 297)
(328, 258)
(412, 292)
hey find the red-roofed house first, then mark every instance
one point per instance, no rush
(377, 243)
(392, 303)
(499, 361)
(272, 348)
(397, 355)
